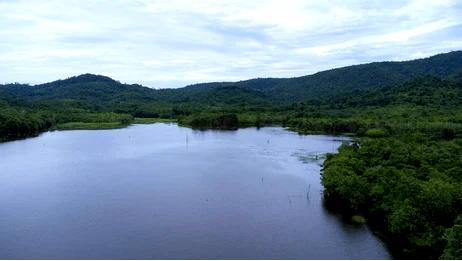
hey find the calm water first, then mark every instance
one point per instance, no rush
(162, 191)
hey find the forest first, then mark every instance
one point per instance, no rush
(402, 173)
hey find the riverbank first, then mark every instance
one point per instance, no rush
(109, 125)
(90, 126)
(408, 187)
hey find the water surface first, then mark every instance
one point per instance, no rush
(165, 192)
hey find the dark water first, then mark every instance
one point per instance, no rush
(162, 191)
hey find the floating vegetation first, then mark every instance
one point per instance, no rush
(358, 219)
(309, 157)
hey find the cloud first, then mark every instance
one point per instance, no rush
(171, 43)
(393, 37)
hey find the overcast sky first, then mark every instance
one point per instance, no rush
(173, 43)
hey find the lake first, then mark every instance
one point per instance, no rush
(161, 191)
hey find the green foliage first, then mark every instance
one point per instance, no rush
(325, 125)
(350, 86)
(358, 219)
(90, 125)
(212, 121)
(453, 237)
(409, 187)
(344, 80)
(151, 120)
(376, 133)
(19, 123)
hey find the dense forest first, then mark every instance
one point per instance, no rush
(402, 173)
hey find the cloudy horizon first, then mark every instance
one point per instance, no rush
(169, 44)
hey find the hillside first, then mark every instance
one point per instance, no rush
(357, 77)
(85, 88)
(429, 91)
(100, 91)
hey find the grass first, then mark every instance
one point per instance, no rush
(358, 219)
(151, 120)
(107, 125)
(90, 125)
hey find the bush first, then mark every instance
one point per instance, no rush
(376, 133)
(212, 121)
(453, 236)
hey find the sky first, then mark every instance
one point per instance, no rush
(173, 43)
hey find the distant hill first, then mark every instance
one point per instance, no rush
(86, 88)
(101, 91)
(343, 80)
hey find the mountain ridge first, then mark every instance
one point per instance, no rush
(95, 88)
(354, 77)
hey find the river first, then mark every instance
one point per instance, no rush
(161, 191)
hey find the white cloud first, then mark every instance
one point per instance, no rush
(393, 37)
(171, 43)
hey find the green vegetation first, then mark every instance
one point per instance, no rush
(358, 219)
(376, 133)
(151, 120)
(89, 125)
(227, 121)
(338, 82)
(404, 171)
(453, 236)
(19, 123)
(409, 187)
(402, 174)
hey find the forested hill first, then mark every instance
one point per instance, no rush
(91, 89)
(86, 87)
(357, 77)
(97, 93)
(428, 91)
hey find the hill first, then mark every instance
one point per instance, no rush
(342, 80)
(97, 91)
(428, 91)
